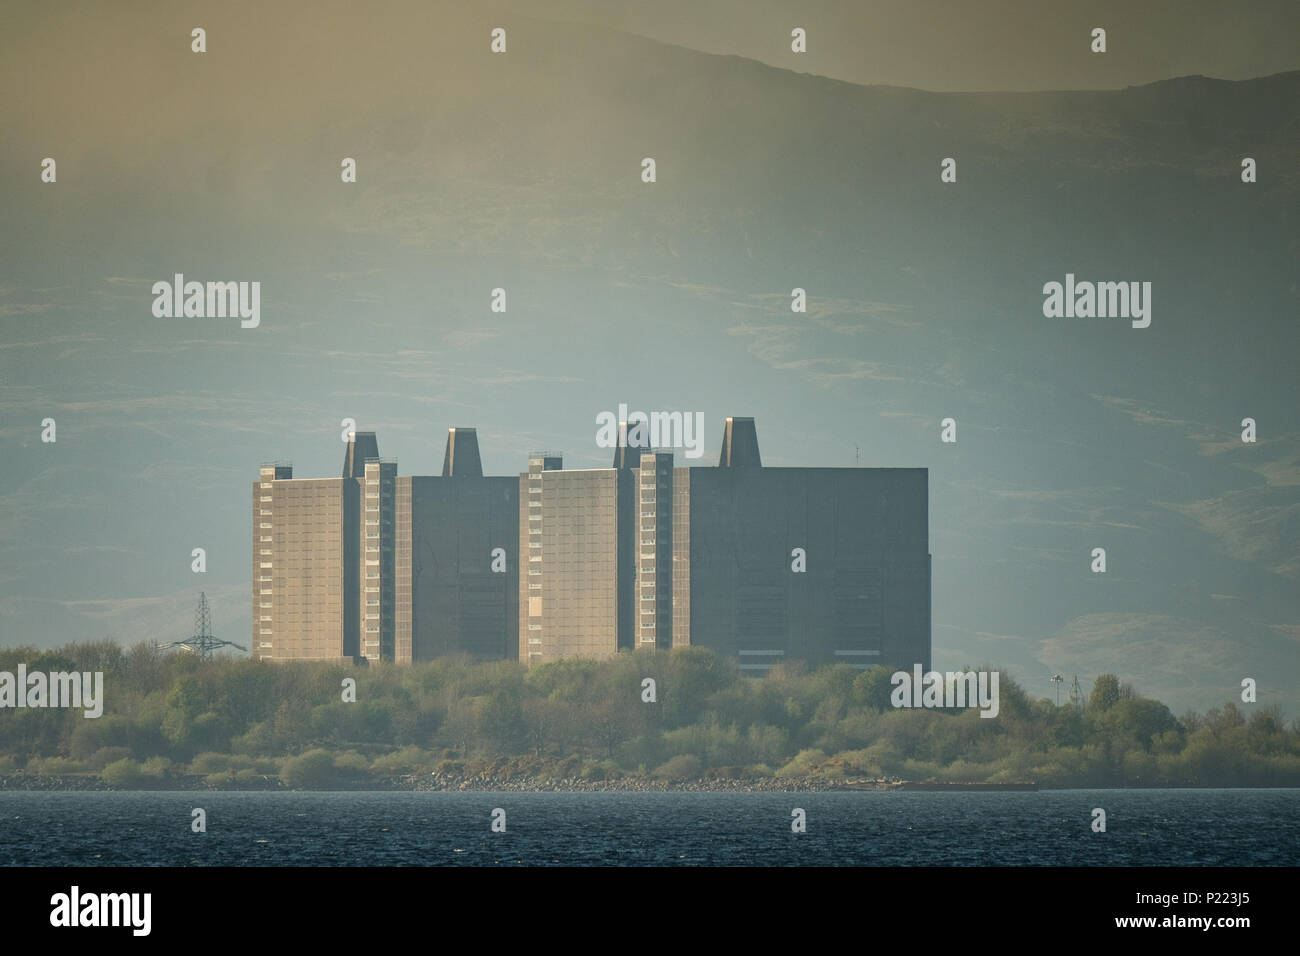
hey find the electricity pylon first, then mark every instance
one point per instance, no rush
(202, 643)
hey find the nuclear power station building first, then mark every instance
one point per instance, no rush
(760, 564)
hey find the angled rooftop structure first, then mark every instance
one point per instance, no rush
(461, 459)
(362, 446)
(739, 444)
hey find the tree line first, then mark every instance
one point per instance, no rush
(240, 723)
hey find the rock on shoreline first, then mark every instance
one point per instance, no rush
(459, 782)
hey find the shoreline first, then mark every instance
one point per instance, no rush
(436, 782)
(445, 783)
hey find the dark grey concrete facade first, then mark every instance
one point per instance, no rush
(864, 596)
(461, 528)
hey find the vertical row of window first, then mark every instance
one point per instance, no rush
(534, 560)
(265, 622)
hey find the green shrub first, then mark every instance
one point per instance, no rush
(107, 755)
(805, 763)
(320, 770)
(156, 767)
(122, 774)
(210, 763)
(681, 767)
(312, 770)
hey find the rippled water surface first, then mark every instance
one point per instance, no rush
(1144, 827)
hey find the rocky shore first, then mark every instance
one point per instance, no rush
(75, 782)
(461, 782)
(639, 784)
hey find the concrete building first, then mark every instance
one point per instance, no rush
(860, 535)
(574, 602)
(304, 547)
(761, 564)
(461, 578)
(372, 566)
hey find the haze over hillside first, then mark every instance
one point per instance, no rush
(523, 171)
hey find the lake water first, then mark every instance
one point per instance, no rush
(1143, 828)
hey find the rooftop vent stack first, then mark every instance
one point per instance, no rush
(361, 445)
(461, 458)
(739, 444)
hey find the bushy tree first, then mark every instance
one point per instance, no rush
(1105, 693)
